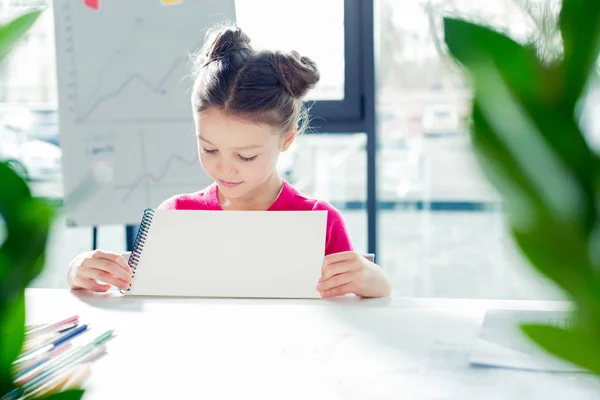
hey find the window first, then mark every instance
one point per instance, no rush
(324, 42)
(441, 231)
(332, 168)
(327, 32)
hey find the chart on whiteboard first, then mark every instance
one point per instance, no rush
(126, 122)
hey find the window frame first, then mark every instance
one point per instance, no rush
(350, 107)
(356, 113)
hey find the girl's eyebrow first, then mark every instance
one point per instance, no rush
(252, 146)
(204, 140)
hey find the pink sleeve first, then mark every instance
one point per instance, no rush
(337, 238)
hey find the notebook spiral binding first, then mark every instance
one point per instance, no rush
(138, 244)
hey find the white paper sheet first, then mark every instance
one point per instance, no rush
(501, 343)
(269, 254)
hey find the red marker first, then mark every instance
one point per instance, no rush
(93, 4)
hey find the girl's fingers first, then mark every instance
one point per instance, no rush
(335, 281)
(101, 275)
(108, 266)
(90, 284)
(338, 291)
(338, 268)
(338, 257)
(114, 257)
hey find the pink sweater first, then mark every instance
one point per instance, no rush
(337, 239)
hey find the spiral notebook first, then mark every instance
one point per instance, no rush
(265, 254)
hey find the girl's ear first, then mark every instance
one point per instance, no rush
(288, 139)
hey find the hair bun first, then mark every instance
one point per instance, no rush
(297, 74)
(224, 39)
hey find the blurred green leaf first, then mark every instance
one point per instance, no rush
(561, 252)
(12, 330)
(519, 98)
(28, 222)
(471, 44)
(580, 28)
(498, 165)
(561, 255)
(14, 30)
(538, 187)
(66, 395)
(527, 140)
(22, 254)
(575, 347)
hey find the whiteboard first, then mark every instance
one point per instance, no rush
(125, 118)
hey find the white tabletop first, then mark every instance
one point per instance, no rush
(298, 349)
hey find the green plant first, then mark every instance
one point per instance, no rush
(527, 139)
(27, 222)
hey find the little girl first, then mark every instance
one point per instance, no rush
(247, 109)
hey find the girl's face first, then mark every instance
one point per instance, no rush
(238, 155)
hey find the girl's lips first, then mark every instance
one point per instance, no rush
(229, 184)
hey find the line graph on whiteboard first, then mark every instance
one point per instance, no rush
(138, 71)
(124, 100)
(176, 171)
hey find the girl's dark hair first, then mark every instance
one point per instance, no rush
(261, 86)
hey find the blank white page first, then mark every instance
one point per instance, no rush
(268, 254)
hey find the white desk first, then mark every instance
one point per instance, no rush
(314, 349)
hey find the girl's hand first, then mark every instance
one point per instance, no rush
(105, 266)
(350, 272)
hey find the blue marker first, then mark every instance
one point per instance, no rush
(68, 335)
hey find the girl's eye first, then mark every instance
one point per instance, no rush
(208, 151)
(248, 159)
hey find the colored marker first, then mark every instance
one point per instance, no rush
(47, 328)
(93, 4)
(61, 364)
(68, 335)
(34, 366)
